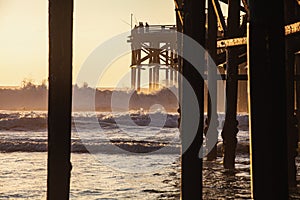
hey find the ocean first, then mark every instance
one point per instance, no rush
(112, 157)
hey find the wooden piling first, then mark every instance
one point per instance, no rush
(60, 98)
(230, 129)
(212, 73)
(292, 43)
(297, 74)
(194, 26)
(291, 121)
(267, 100)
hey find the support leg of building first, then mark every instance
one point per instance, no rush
(267, 100)
(194, 26)
(138, 79)
(133, 78)
(154, 78)
(157, 77)
(167, 78)
(60, 98)
(171, 77)
(176, 78)
(230, 130)
(150, 79)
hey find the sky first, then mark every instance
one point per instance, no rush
(24, 34)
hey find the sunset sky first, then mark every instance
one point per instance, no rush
(24, 32)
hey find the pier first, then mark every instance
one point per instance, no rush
(153, 49)
(256, 48)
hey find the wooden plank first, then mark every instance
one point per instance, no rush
(219, 14)
(292, 28)
(232, 42)
(178, 10)
(246, 6)
(289, 29)
(241, 7)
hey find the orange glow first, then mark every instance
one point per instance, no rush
(24, 31)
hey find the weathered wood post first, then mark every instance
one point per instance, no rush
(212, 74)
(267, 100)
(230, 129)
(297, 73)
(194, 27)
(60, 98)
(292, 46)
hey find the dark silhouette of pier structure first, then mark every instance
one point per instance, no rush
(153, 49)
(262, 34)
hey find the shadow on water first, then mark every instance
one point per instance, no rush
(295, 193)
(170, 181)
(221, 184)
(217, 182)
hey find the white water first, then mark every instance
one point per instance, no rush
(104, 174)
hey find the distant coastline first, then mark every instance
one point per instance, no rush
(35, 97)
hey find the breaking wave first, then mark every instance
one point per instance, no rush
(37, 121)
(27, 131)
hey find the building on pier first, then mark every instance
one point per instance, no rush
(154, 50)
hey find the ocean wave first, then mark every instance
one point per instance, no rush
(140, 119)
(111, 147)
(23, 121)
(37, 121)
(27, 131)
